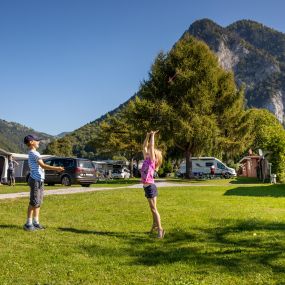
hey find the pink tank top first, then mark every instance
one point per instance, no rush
(147, 171)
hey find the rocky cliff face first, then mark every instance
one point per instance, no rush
(249, 50)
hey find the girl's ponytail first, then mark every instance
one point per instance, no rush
(158, 158)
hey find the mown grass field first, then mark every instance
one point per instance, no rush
(225, 234)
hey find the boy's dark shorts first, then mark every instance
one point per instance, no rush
(150, 191)
(36, 192)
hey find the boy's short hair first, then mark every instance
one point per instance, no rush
(29, 138)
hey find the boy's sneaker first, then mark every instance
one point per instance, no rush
(29, 228)
(38, 226)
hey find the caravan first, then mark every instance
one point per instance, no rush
(202, 166)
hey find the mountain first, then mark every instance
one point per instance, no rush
(12, 135)
(256, 55)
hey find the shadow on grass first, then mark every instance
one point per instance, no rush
(10, 227)
(90, 232)
(258, 191)
(245, 180)
(103, 233)
(254, 241)
(237, 247)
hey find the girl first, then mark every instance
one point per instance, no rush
(152, 161)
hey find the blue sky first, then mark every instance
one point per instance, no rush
(64, 63)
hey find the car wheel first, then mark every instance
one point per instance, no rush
(227, 176)
(66, 181)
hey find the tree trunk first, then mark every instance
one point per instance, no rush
(132, 168)
(188, 156)
(138, 172)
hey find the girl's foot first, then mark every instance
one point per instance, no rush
(161, 233)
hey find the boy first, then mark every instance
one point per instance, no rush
(36, 182)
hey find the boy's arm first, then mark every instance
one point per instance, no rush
(49, 167)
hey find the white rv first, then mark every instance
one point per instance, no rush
(202, 166)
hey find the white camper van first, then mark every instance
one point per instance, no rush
(202, 166)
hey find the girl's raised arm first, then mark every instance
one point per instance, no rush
(145, 145)
(151, 145)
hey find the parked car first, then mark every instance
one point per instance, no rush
(121, 173)
(76, 171)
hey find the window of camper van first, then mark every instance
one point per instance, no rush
(221, 166)
(209, 164)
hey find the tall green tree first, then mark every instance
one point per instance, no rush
(194, 103)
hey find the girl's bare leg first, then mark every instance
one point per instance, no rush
(156, 217)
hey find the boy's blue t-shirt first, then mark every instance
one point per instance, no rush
(36, 172)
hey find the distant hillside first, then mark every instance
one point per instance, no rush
(61, 135)
(256, 55)
(12, 135)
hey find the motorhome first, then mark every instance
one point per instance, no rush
(202, 166)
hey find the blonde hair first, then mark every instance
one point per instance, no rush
(158, 158)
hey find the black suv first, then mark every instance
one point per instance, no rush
(76, 171)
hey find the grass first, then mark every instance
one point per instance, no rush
(23, 187)
(226, 234)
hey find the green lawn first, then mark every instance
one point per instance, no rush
(23, 187)
(214, 235)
